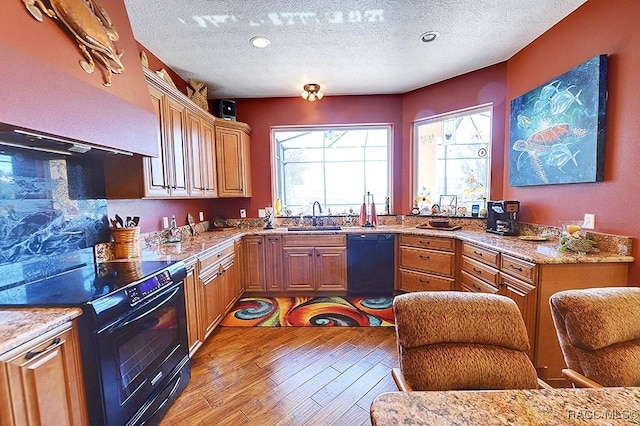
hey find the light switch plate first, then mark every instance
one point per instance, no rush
(589, 221)
(243, 213)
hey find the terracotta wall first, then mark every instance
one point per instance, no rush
(595, 28)
(44, 88)
(152, 211)
(262, 114)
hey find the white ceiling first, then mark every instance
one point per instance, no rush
(349, 47)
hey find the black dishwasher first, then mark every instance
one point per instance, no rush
(370, 270)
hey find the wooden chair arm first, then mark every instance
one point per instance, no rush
(401, 383)
(579, 380)
(543, 385)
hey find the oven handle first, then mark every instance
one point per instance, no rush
(132, 317)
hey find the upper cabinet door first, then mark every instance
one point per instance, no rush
(155, 168)
(208, 159)
(175, 143)
(196, 154)
(232, 155)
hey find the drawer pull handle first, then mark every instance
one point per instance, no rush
(477, 253)
(32, 354)
(425, 281)
(516, 268)
(425, 242)
(477, 271)
(425, 257)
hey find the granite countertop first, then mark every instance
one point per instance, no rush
(607, 406)
(19, 325)
(545, 252)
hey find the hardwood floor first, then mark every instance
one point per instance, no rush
(287, 376)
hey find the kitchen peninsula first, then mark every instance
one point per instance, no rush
(528, 272)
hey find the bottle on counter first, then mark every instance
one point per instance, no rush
(278, 207)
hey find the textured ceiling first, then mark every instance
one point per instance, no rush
(349, 47)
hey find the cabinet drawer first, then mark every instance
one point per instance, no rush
(427, 260)
(432, 243)
(484, 255)
(416, 281)
(520, 268)
(313, 240)
(480, 270)
(476, 285)
(209, 259)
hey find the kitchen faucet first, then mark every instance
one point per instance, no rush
(313, 212)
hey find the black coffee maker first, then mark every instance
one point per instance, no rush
(501, 217)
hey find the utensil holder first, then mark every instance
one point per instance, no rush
(126, 242)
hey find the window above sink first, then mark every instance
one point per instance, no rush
(335, 165)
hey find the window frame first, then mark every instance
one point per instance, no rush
(488, 107)
(276, 170)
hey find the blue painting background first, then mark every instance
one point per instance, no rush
(557, 130)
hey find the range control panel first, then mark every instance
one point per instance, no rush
(147, 287)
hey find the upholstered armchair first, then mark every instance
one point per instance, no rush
(599, 333)
(461, 341)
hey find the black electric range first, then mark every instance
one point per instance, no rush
(132, 332)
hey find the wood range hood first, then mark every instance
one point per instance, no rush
(44, 91)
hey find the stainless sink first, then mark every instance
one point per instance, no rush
(314, 228)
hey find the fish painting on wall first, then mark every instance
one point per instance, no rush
(557, 130)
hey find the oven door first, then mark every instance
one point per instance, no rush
(139, 351)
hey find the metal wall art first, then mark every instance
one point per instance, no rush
(92, 27)
(557, 130)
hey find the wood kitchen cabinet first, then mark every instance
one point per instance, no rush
(190, 156)
(425, 263)
(218, 281)
(233, 161)
(531, 285)
(41, 381)
(263, 263)
(192, 299)
(312, 263)
(202, 176)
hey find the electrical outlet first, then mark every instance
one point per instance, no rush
(243, 213)
(589, 221)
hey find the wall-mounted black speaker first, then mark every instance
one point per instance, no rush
(225, 108)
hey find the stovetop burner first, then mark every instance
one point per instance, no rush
(81, 285)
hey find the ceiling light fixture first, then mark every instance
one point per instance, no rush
(260, 42)
(429, 36)
(312, 92)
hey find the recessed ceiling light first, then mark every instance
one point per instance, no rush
(260, 41)
(429, 36)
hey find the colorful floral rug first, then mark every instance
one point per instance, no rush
(323, 311)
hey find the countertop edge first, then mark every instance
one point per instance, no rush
(20, 325)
